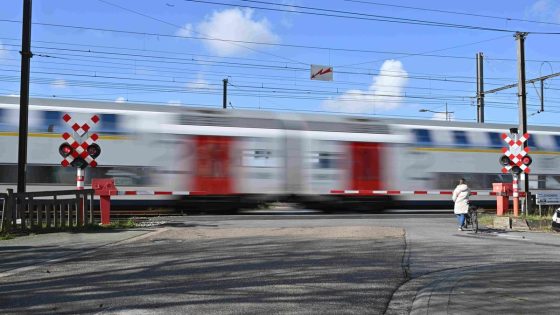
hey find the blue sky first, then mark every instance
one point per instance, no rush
(162, 59)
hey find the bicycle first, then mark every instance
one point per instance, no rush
(471, 218)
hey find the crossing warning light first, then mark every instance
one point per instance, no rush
(65, 149)
(527, 160)
(94, 150)
(504, 160)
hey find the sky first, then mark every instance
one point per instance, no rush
(389, 58)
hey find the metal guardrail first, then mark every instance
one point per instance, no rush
(46, 209)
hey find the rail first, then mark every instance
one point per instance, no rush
(46, 209)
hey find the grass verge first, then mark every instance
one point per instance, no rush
(88, 228)
(535, 222)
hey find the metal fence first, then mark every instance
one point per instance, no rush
(46, 209)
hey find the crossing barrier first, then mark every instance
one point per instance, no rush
(105, 188)
(500, 191)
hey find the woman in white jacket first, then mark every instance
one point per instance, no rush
(461, 198)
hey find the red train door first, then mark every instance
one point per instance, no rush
(212, 168)
(365, 169)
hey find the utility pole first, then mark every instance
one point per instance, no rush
(480, 88)
(24, 95)
(447, 118)
(542, 97)
(522, 97)
(225, 93)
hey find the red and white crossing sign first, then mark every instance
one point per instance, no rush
(80, 129)
(515, 158)
(76, 153)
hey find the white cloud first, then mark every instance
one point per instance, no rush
(545, 10)
(59, 84)
(185, 31)
(385, 92)
(199, 84)
(286, 19)
(120, 99)
(235, 24)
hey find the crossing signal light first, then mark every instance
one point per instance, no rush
(516, 170)
(527, 160)
(79, 163)
(504, 160)
(65, 149)
(94, 150)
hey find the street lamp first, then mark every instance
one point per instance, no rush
(447, 116)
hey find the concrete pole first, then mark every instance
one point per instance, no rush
(522, 98)
(480, 87)
(225, 94)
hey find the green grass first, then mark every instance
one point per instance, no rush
(6, 236)
(115, 225)
(122, 224)
(535, 222)
(486, 219)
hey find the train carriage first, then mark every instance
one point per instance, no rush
(242, 158)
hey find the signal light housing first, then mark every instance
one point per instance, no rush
(504, 160)
(79, 163)
(65, 149)
(527, 160)
(94, 150)
(516, 170)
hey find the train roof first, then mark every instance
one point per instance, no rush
(116, 107)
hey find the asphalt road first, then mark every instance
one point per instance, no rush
(254, 264)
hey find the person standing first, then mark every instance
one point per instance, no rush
(461, 198)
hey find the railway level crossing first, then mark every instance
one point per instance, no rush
(516, 161)
(80, 150)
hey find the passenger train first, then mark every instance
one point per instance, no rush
(243, 158)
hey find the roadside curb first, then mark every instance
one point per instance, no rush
(409, 297)
(434, 292)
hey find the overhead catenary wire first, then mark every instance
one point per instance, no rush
(155, 62)
(370, 17)
(453, 12)
(194, 31)
(367, 51)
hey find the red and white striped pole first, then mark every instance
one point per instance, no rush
(80, 176)
(515, 195)
(80, 179)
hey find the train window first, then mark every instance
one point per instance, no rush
(325, 160)
(495, 140)
(557, 142)
(53, 121)
(532, 143)
(109, 123)
(3, 120)
(258, 158)
(460, 138)
(423, 136)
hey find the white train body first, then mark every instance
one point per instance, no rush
(269, 155)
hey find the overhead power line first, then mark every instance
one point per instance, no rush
(194, 31)
(366, 51)
(365, 16)
(453, 12)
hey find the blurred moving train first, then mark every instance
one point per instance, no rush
(241, 158)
